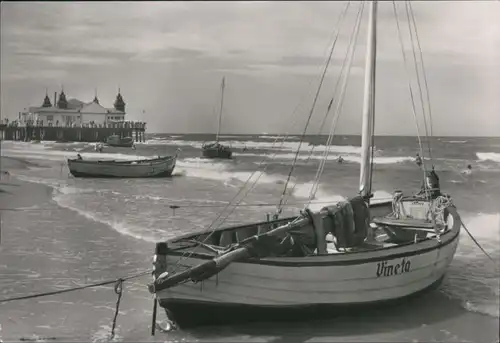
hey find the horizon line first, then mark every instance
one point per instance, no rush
(308, 135)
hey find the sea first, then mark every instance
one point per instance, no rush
(84, 231)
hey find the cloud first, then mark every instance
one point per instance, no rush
(168, 58)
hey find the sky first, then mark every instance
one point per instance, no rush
(168, 59)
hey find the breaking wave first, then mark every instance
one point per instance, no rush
(267, 145)
(488, 156)
(331, 157)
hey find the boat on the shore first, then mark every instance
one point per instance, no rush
(347, 256)
(116, 141)
(146, 168)
(217, 149)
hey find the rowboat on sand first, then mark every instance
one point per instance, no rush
(146, 168)
(346, 256)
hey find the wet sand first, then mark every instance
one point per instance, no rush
(15, 194)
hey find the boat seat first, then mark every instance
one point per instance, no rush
(245, 233)
(227, 238)
(263, 228)
(404, 223)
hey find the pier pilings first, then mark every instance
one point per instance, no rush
(94, 133)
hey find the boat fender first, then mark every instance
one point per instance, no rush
(342, 217)
(334, 223)
(320, 234)
(348, 227)
(360, 218)
(308, 213)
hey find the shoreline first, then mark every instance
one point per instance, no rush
(16, 194)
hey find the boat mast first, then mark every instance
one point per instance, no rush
(223, 85)
(367, 132)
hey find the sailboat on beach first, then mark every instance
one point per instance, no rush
(348, 255)
(216, 149)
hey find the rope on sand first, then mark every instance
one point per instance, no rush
(118, 288)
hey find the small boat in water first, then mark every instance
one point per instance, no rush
(116, 141)
(347, 256)
(216, 149)
(149, 168)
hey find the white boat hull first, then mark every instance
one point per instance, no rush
(257, 284)
(160, 167)
(287, 283)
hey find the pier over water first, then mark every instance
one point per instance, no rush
(15, 131)
(72, 120)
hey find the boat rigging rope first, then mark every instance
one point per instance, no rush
(418, 79)
(410, 28)
(335, 95)
(274, 154)
(411, 95)
(292, 168)
(423, 67)
(338, 109)
(184, 255)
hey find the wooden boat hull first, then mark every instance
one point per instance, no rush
(154, 168)
(286, 287)
(121, 145)
(190, 313)
(115, 141)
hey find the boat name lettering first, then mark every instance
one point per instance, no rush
(385, 269)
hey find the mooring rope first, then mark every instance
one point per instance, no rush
(119, 291)
(475, 241)
(103, 283)
(118, 288)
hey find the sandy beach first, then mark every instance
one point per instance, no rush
(45, 248)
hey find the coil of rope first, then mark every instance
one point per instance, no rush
(438, 206)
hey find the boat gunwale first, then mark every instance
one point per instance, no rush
(337, 259)
(242, 226)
